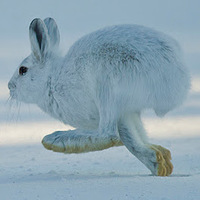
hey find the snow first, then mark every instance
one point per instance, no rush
(30, 172)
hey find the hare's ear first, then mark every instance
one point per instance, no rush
(39, 39)
(53, 32)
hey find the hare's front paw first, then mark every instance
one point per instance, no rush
(163, 156)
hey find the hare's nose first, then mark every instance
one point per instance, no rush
(11, 85)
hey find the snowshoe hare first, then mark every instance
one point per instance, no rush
(101, 86)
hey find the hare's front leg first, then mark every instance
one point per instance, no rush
(155, 157)
(165, 158)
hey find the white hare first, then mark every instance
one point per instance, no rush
(101, 86)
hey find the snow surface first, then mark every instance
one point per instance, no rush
(30, 172)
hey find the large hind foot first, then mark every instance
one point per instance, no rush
(77, 141)
(163, 156)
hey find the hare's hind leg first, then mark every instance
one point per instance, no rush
(156, 158)
(79, 141)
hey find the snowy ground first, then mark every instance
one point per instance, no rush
(30, 172)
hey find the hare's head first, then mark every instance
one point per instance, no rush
(30, 80)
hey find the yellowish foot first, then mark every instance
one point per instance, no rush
(163, 155)
(71, 143)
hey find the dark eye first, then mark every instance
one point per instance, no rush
(23, 70)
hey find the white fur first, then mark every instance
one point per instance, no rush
(103, 83)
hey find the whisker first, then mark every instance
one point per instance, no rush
(8, 100)
(18, 112)
(29, 110)
(8, 105)
(12, 105)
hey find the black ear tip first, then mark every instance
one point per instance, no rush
(48, 20)
(35, 22)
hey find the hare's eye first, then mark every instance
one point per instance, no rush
(23, 70)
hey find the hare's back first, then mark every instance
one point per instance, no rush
(124, 42)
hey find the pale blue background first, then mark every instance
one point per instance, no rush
(179, 18)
